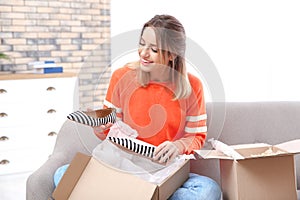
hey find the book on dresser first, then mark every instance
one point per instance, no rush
(44, 67)
(48, 70)
(41, 64)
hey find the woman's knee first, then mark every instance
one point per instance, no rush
(59, 174)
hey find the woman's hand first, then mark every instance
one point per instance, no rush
(166, 152)
(99, 130)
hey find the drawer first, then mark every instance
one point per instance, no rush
(28, 137)
(22, 115)
(37, 90)
(32, 112)
(22, 160)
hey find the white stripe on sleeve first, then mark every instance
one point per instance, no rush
(201, 129)
(196, 118)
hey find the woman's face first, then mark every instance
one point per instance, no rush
(148, 50)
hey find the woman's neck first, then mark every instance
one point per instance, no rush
(160, 75)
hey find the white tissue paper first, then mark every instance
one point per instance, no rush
(224, 148)
(108, 153)
(121, 129)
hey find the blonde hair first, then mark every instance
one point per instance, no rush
(170, 36)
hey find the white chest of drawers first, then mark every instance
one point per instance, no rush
(32, 110)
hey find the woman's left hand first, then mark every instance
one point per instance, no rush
(99, 130)
(166, 152)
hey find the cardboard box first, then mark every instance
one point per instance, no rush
(87, 178)
(264, 172)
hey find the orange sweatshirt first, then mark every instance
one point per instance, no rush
(154, 115)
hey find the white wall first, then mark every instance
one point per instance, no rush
(254, 45)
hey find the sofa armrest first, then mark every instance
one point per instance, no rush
(40, 184)
(72, 138)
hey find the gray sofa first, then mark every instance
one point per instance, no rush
(230, 122)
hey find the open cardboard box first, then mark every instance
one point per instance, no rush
(264, 172)
(87, 178)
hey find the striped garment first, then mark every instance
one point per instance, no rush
(135, 145)
(84, 118)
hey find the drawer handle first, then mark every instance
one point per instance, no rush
(51, 88)
(2, 91)
(4, 138)
(51, 111)
(3, 115)
(52, 133)
(4, 162)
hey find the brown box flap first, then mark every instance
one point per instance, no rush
(97, 176)
(167, 188)
(88, 178)
(249, 151)
(71, 176)
(292, 146)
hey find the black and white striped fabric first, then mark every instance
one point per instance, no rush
(135, 145)
(83, 118)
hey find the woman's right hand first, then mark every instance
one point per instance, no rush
(99, 130)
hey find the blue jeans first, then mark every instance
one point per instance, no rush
(59, 174)
(195, 188)
(198, 188)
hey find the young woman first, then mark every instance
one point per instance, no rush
(165, 104)
(162, 102)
